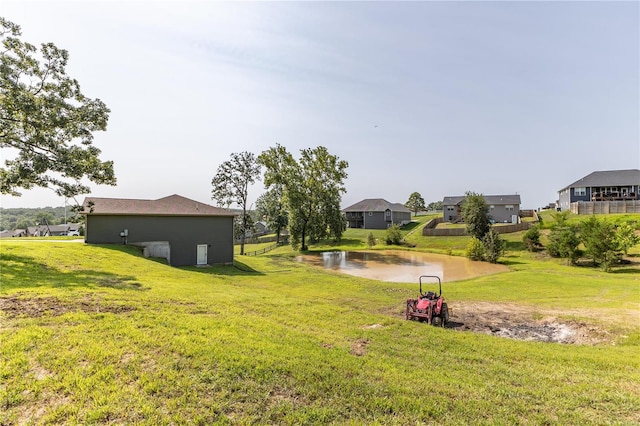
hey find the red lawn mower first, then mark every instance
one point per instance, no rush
(429, 306)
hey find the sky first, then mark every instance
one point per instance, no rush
(439, 98)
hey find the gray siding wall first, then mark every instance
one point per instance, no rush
(184, 233)
(375, 221)
(399, 217)
(500, 213)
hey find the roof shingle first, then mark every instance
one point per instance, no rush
(173, 205)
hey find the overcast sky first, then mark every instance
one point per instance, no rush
(435, 97)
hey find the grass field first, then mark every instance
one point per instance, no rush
(100, 335)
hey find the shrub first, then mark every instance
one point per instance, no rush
(475, 249)
(531, 238)
(394, 236)
(493, 246)
(563, 243)
(371, 240)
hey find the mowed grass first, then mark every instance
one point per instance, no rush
(100, 335)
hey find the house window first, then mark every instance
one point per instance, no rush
(579, 191)
(508, 207)
(388, 213)
(449, 208)
(492, 207)
(370, 213)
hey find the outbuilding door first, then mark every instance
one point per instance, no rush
(202, 254)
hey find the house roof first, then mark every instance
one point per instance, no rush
(173, 205)
(489, 199)
(376, 205)
(608, 178)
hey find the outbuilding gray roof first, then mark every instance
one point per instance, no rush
(173, 205)
(496, 200)
(376, 205)
(608, 178)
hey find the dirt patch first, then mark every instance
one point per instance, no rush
(523, 323)
(23, 306)
(359, 347)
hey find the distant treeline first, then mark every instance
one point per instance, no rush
(21, 218)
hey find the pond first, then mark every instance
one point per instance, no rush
(401, 266)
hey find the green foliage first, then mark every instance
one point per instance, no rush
(561, 218)
(231, 185)
(47, 120)
(475, 213)
(371, 240)
(564, 242)
(435, 205)
(312, 190)
(475, 249)
(493, 246)
(626, 237)
(601, 245)
(394, 235)
(415, 203)
(531, 238)
(270, 208)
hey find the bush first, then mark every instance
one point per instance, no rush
(563, 243)
(371, 240)
(394, 236)
(475, 249)
(531, 238)
(493, 246)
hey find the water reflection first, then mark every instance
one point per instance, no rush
(401, 266)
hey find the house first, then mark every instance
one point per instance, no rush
(611, 185)
(184, 231)
(376, 213)
(502, 208)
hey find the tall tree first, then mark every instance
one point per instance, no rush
(231, 185)
(312, 190)
(415, 203)
(270, 207)
(475, 213)
(47, 120)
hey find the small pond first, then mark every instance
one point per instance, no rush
(401, 266)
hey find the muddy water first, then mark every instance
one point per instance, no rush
(401, 266)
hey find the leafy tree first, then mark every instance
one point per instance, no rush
(493, 246)
(564, 242)
(531, 238)
(270, 207)
(435, 205)
(371, 240)
(600, 242)
(47, 120)
(475, 249)
(394, 235)
(415, 203)
(312, 190)
(231, 185)
(475, 213)
(626, 237)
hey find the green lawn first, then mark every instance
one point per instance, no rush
(100, 335)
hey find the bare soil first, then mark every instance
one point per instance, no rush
(523, 323)
(19, 305)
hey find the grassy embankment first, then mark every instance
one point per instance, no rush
(94, 334)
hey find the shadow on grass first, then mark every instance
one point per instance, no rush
(237, 268)
(24, 272)
(626, 271)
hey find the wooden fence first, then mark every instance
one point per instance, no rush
(431, 230)
(605, 207)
